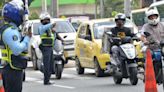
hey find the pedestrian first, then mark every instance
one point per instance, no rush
(13, 45)
(46, 46)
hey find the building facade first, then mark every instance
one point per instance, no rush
(67, 8)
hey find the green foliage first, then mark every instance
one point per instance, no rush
(135, 4)
(34, 15)
(2, 3)
(112, 7)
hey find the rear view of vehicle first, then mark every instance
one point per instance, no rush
(65, 31)
(68, 34)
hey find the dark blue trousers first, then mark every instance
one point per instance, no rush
(47, 62)
(12, 79)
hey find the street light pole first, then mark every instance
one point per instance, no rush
(54, 8)
(44, 5)
(127, 8)
(95, 9)
(101, 8)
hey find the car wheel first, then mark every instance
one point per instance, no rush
(98, 71)
(117, 80)
(79, 69)
(34, 59)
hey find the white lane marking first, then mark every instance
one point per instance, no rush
(62, 86)
(70, 75)
(41, 81)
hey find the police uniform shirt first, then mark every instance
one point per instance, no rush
(12, 37)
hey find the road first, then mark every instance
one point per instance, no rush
(71, 82)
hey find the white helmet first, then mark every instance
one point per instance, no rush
(44, 15)
(152, 12)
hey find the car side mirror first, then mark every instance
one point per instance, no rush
(88, 37)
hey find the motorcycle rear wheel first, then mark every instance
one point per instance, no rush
(58, 71)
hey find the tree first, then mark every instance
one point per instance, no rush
(112, 7)
(136, 4)
(2, 3)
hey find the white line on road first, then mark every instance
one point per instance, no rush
(61, 86)
(41, 81)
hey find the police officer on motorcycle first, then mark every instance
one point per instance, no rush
(152, 34)
(46, 46)
(13, 45)
(120, 31)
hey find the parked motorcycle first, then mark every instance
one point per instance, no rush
(127, 57)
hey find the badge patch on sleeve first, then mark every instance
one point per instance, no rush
(15, 38)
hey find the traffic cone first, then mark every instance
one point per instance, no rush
(1, 84)
(150, 81)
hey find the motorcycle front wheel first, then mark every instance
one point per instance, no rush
(133, 75)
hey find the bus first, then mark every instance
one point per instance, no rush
(139, 17)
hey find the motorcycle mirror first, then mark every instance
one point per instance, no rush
(147, 34)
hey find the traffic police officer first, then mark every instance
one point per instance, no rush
(13, 45)
(46, 46)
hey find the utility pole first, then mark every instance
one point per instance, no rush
(154, 1)
(54, 8)
(44, 5)
(95, 9)
(127, 8)
(101, 8)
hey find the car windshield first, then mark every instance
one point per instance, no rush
(75, 25)
(35, 28)
(61, 27)
(64, 27)
(99, 30)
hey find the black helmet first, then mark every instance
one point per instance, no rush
(120, 16)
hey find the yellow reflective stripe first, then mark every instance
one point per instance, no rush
(14, 67)
(4, 51)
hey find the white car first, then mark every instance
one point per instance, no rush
(66, 32)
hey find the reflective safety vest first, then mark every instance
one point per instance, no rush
(16, 62)
(47, 39)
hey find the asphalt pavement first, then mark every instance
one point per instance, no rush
(71, 82)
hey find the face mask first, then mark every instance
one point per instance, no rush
(44, 22)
